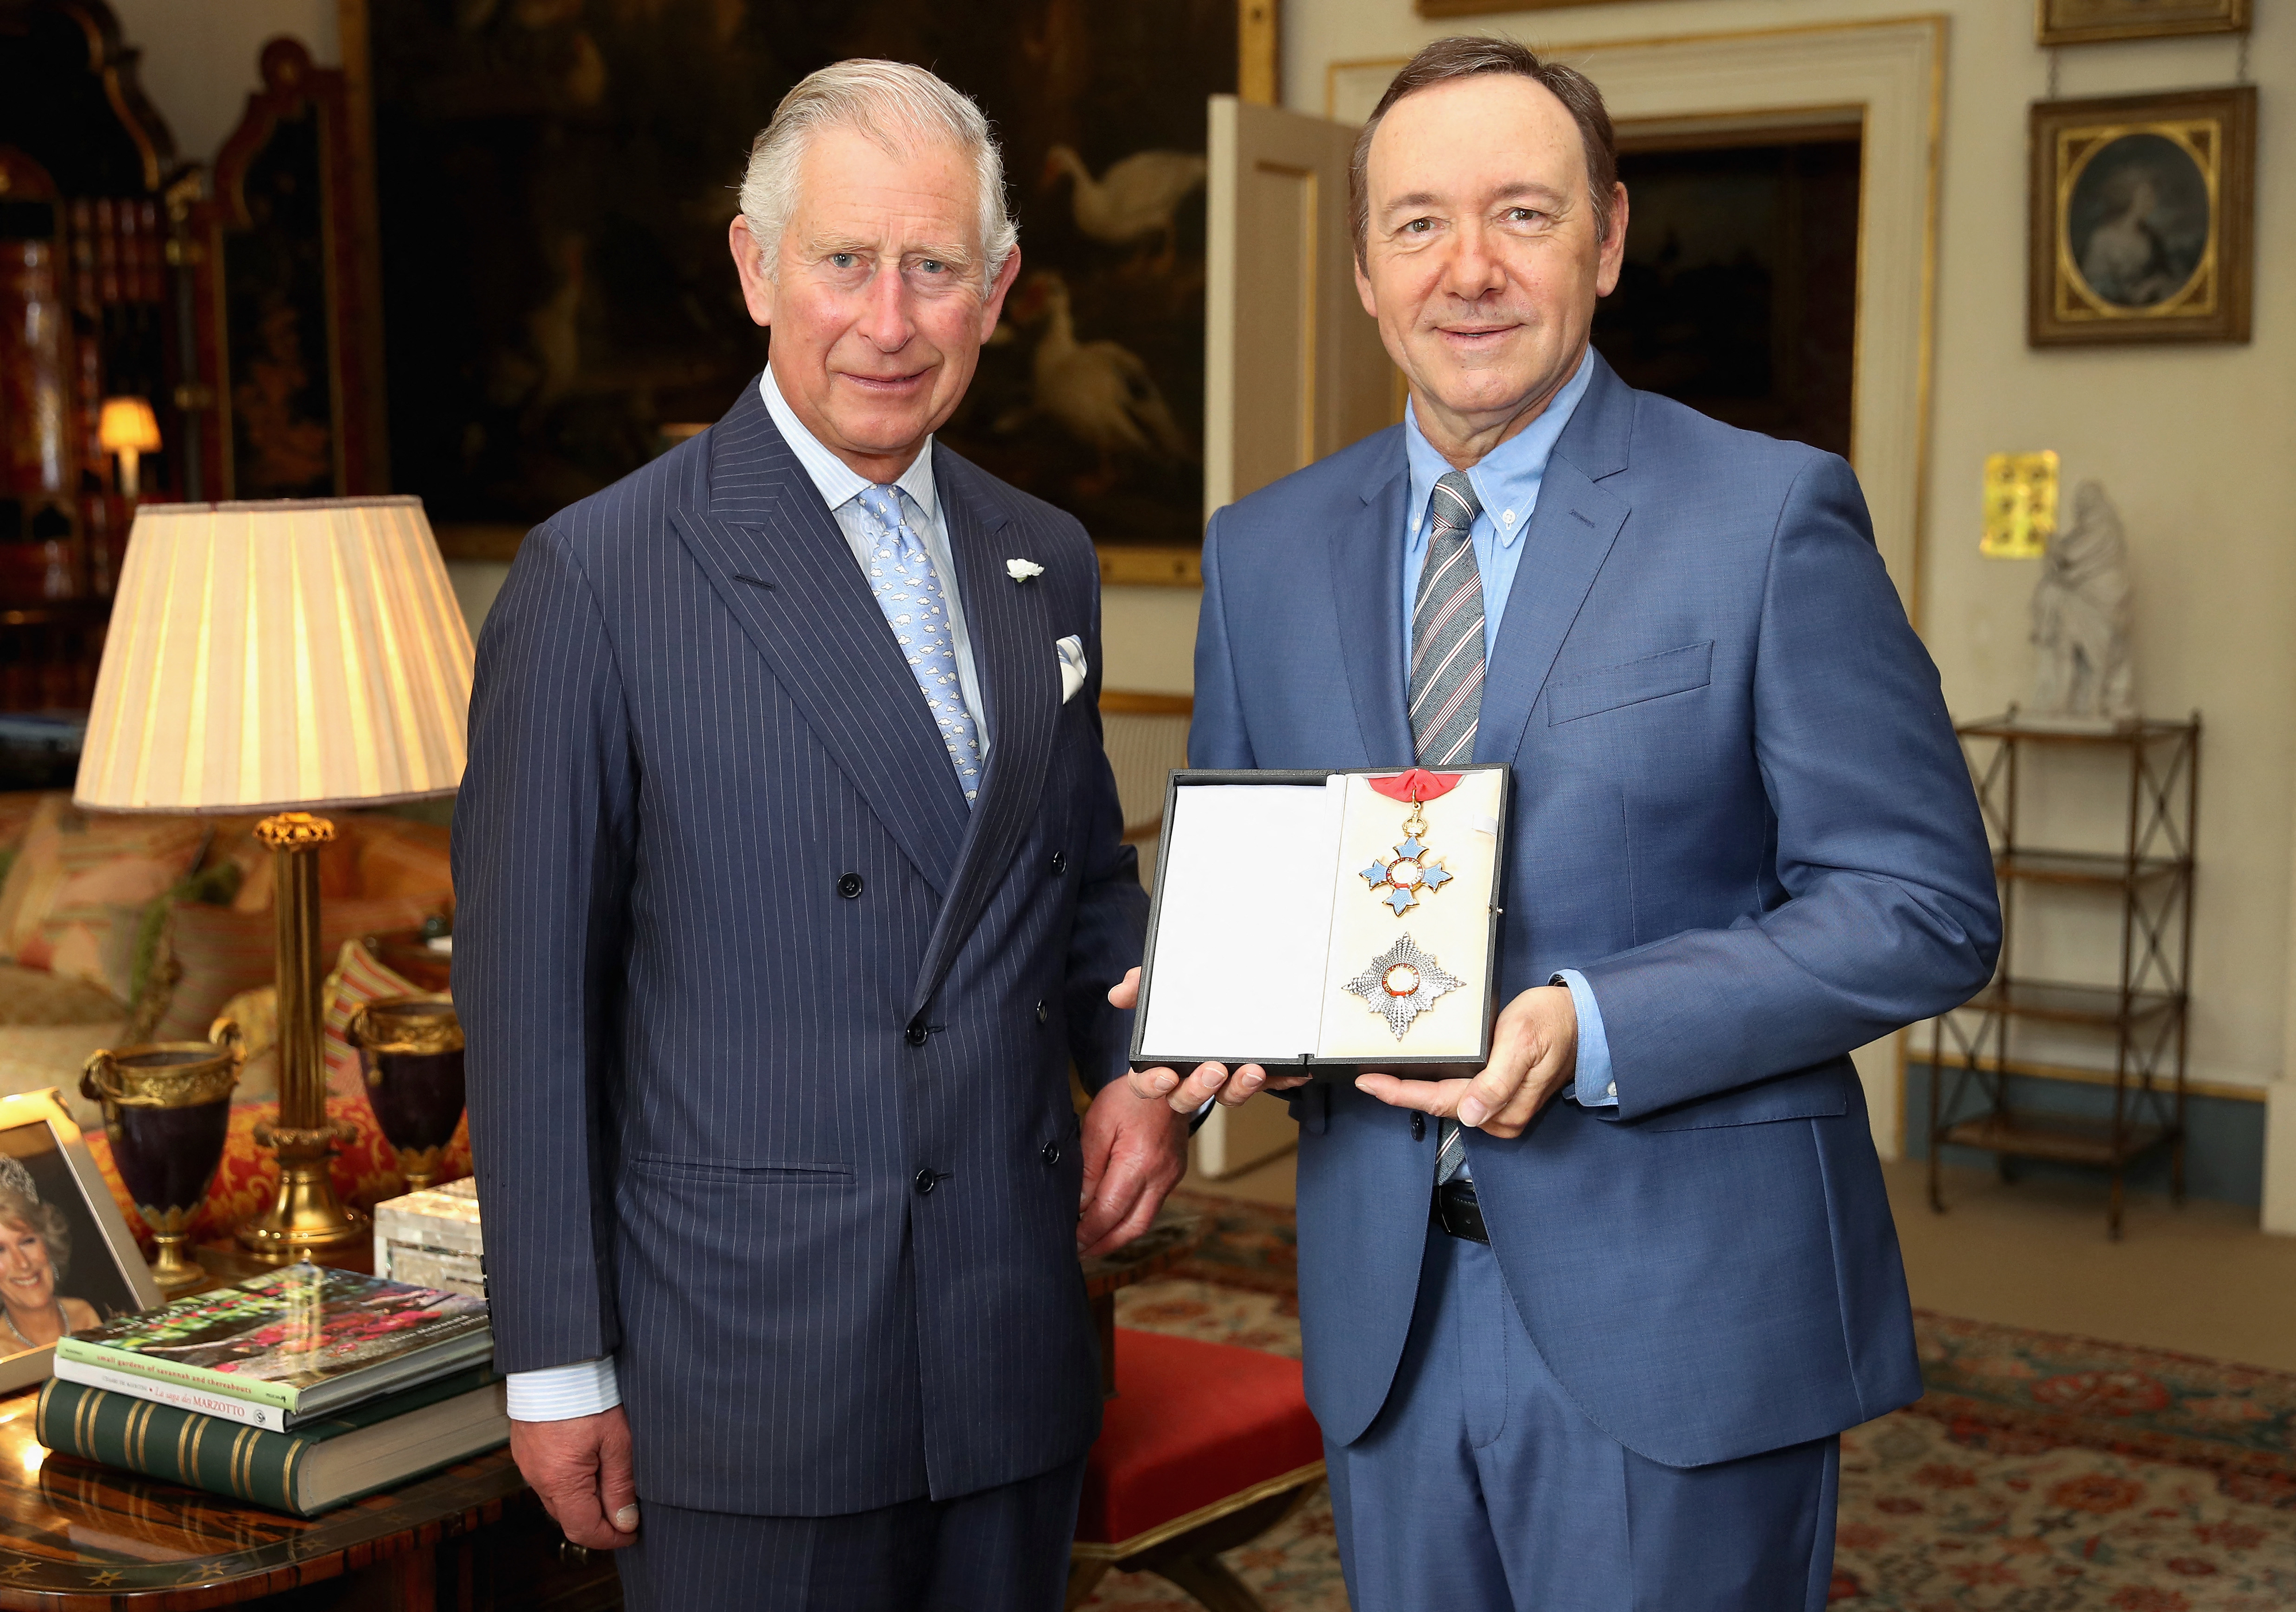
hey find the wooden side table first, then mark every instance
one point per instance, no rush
(75, 1536)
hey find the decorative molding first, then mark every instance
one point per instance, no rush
(491, 541)
(1140, 566)
(1259, 54)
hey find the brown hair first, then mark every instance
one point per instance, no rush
(1464, 57)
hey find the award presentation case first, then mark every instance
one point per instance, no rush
(1324, 924)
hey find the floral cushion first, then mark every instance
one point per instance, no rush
(359, 977)
(365, 1169)
(87, 876)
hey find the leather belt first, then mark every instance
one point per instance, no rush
(1457, 1212)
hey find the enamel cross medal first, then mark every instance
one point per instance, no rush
(1404, 981)
(1411, 870)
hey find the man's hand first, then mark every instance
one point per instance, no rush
(1534, 1055)
(1210, 1080)
(1135, 1149)
(581, 1470)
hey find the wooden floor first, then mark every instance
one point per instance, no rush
(2201, 1279)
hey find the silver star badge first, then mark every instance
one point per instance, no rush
(1402, 983)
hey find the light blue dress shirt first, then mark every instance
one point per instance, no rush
(587, 1387)
(1506, 482)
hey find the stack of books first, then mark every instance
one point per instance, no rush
(300, 1388)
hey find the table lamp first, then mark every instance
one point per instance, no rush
(282, 658)
(127, 428)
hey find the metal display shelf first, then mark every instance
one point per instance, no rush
(2145, 1011)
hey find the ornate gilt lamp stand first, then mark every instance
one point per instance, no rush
(305, 1217)
(265, 657)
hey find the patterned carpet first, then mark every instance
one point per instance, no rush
(2040, 1473)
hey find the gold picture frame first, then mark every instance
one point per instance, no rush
(2142, 217)
(2089, 21)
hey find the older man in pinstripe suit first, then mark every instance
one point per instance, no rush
(791, 884)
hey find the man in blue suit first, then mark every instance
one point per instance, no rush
(791, 883)
(1607, 1368)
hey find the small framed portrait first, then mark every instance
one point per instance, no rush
(68, 1261)
(2087, 22)
(2143, 213)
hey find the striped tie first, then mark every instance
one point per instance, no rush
(1446, 675)
(1447, 630)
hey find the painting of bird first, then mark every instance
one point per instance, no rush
(1099, 392)
(1135, 200)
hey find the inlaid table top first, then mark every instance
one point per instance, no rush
(76, 1535)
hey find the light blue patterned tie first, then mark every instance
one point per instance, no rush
(901, 575)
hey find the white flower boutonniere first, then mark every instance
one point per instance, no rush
(1023, 570)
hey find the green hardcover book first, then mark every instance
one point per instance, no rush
(308, 1340)
(320, 1465)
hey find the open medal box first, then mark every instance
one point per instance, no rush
(1326, 923)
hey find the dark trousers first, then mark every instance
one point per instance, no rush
(1481, 1487)
(1002, 1550)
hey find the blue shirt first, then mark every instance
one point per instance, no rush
(1506, 482)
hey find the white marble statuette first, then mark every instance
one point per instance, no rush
(2082, 607)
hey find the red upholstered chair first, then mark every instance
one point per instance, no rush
(1204, 1448)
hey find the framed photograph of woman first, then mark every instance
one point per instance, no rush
(2088, 21)
(68, 1261)
(2143, 214)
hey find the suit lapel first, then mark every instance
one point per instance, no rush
(1365, 577)
(777, 559)
(1571, 536)
(1009, 624)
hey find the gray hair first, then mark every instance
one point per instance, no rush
(885, 100)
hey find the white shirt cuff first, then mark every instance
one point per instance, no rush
(562, 1393)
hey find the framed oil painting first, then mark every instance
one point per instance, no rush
(68, 1261)
(2087, 22)
(2143, 213)
(555, 178)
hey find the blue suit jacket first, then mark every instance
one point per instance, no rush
(1740, 811)
(802, 1157)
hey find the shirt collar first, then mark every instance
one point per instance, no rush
(1507, 478)
(837, 481)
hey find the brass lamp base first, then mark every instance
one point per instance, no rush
(305, 1218)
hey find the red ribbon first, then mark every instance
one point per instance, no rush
(1417, 785)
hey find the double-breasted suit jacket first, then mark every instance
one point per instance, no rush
(769, 1033)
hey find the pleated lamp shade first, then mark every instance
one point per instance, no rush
(264, 657)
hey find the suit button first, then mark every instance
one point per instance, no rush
(1060, 864)
(1052, 1154)
(1419, 1127)
(916, 1033)
(1042, 1016)
(849, 885)
(924, 1182)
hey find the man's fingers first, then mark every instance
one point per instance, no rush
(617, 1484)
(1153, 1085)
(567, 1462)
(1126, 992)
(1428, 1096)
(1244, 1086)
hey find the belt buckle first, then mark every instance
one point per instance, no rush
(1467, 1223)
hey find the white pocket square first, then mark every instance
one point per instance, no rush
(1072, 667)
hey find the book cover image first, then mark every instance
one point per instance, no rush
(302, 1327)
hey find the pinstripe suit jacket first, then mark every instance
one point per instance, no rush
(801, 1158)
